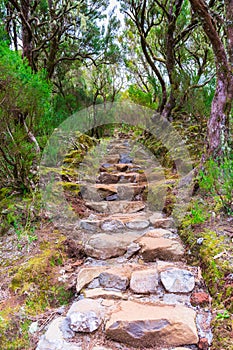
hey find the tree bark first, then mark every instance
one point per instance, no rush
(218, 124)
(172, 16)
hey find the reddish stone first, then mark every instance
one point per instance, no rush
(200, 298)
(203, 344)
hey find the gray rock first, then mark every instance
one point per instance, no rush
(85, 316)
(113, 280)
(144, 281)
(88, 274)
(177, 280)
(112, 225)
(164, 223)
(132, 249)
(113, 197)
(90, 225)
(172, 299)
(105, 246)
(54, 338)
(125, 159)
(137, 224)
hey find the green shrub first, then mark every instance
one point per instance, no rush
(217, 180)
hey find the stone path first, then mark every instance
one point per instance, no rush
(135, 289)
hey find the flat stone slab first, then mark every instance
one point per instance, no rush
(146, 325)
(105, 246)
(137, 224)
(160, 248)
(124, 207)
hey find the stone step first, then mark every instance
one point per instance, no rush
(105, 246)
(146, 325)
(158, 278)
(119, 222)
(129, 322)
(124, 207)
(121, 158)
(125, 191)
(126, 167)
(121, 177)
(152, 245)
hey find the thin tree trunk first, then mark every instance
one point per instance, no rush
(218, 124)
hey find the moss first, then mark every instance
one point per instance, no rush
(13, 330)
(70, 186)
(34, 279)
(222, 334)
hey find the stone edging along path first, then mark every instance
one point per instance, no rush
(135, 289)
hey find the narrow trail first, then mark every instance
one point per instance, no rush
(135, 289)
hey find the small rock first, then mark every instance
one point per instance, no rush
(177, 280)
(200, 240)
(203, 344)
(200, 298)
(112, 159)
(144, 281)
(90, 225)
(116, 280)
(125, 159)
(155, 216)
(172, 299)
(164, 223)
(33, 327)
(85, 316)
(86, 275)
(132, 249)
(137, 224)
(108, 178)
(158, 232)
(112, 225)
(112, 197)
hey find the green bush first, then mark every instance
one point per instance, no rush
(217, 180)
(24, 100)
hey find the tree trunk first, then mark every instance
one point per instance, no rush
(218, 124)
(26, 32)
(173, 14)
